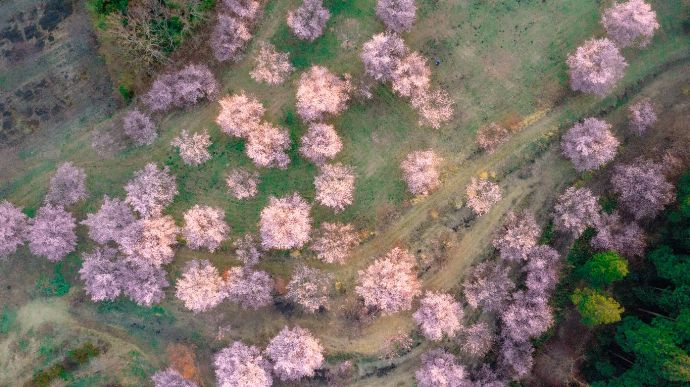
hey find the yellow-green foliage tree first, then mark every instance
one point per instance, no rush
(595, 307)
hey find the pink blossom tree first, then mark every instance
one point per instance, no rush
(240, 114)
(13, 228)
(596, 67)
(267, 144)
(488, 286)
(613, 233)
(321, 93)
(205, 227)
(229, 37)
(295, 354)
(517, 236)
(108, 223)
(201, 287)
(247, 250)
(397, 15)
(575, 210)
(171, 378)
(182, 88)
(67, 186)
(244, 9)
(310, 288)
(440, 368)
(642, 188)
(542, 269)
(251, 289)
(193, 148)
(390, 283)
(150, 190)
(151, 240)
(320, 143)
(285, 223)
(527, 316)
(242, 365)
(632, 23)
(270, 66)
(491, 137)
(335, 186)
(515, 358)
(435, 107)
(99, 271)
(421, 171)
(411, 76)
(139, 128)
(438, 315)
(242, 183)
(51, 234)
(589, 144)
(642, 116)
(477, 339)
(334, 242)
(382, 54)
(482, 194)
(308, 21)
(141, 281)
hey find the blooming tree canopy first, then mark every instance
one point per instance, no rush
(596, 67)
(51, 234)
(411, 76)
(201, 287)
(99, 271)
(517, 237)
(492, 136)
(320, 143)
(13, 227)
(642, 188)
(381, 55)
(482, 194)
(334, 242)
(271, 66)
(141, 281)
(267, 144)
(108, 223)
(251, 289)
(240, 114)
(295, 354)
(310, 288)
(421, 171)
(575, 210)
(308, 21)
(205, 227)
(397, 15)
(613, 233)
(542, 269)
(242, 365)
(632, 23)
(150, 190)
(242, 183)
(642, 116)
(67, 186)
(193, 148)
(488, 286)
(321, 93)
(390, 283)
(170, 378)
(335, 186)
(440, 368)
(285, 223)
(435, 107)
(589, 144)
(438, 316)
(229, 37)
(139, 128)
(182, 88)
(527, 316)
(477, 339)
(247, 250)
(151, 240)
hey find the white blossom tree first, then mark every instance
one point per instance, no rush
(295, 354)
(242, 365)
(390, 283)
(205, 227)
(285, 223)
(201, 287)
(438, 315)
(13, 228)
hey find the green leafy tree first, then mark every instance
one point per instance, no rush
(604, 268)
(595, 307)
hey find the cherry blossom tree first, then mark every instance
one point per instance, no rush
(596, 67)
(488, 286)
(240, 114)
(171, 378)
(492, 136)
(267, 144)
(270, 66)
(67, 186)
(397, 15)
(642, 116)
(632, 23)
(201, 287)
(589, 144)
(139, 127)
(310, 288)
(613, 233)
(435, 107)
(440, 368)
(542, 269)
(335, 186)
(382, 54)
(295, 354)
(527, 316)
(205, 227)
(51, 234)
(390, 283)
(242, 183)
(151, 190)
(518, 235)
(193, 148)
(251, 289)
(229, 37)
(247, 250)
(477, 339)
(482, 194)
(438, 315)
(334, 242)
(99, 271)
(242, 365)
(308, 21)
(182, 88)
(141, 281)
(244, 9)
(13, 228)
(108, 223)
(320, 143)
(515, 358)
(421, 171)
(285, 223)
(321, 93)
(486, 376)
(642, 189)
(575, 210)
(411, 76)
(151, 240)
